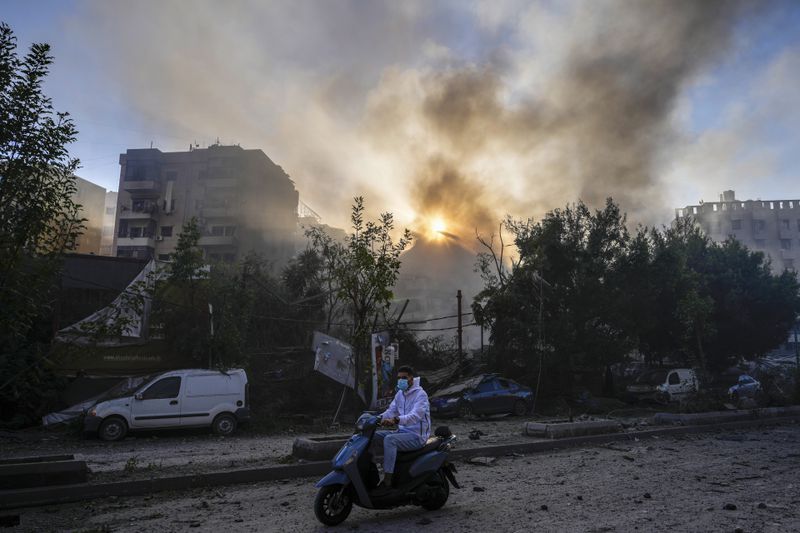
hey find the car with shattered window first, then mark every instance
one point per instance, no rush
(486, 394)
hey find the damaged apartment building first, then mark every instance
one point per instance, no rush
(240, 198)
(772, 227)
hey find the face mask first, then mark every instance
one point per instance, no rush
(402, 384)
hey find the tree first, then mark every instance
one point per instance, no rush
(38, 218)
(361, 273)
(562, 289)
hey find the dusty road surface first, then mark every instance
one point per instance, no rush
(746, 480)
(158, 454)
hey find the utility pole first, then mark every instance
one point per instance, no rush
(460, 329)
(211, 337)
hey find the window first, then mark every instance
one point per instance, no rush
(163, 257)
(166, 231)
(785, 223)
(760, 243)
(213, 257)
(736, 224)
(230, 230)
(171, 175)
(786, 244)
(163, 388)
(217, 231)
(136, 232)
(504, 384)
(229, 258)
(759, 225)
(788, 264)
(674, 379)
(486, 386)
(798, 224)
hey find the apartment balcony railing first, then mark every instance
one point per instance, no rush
(217, 240)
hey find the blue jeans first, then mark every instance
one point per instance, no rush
(392, 442)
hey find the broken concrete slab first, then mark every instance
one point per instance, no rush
(318, 448)
(572, 429)
(484, 461)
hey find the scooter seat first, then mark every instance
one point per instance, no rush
(430, 446)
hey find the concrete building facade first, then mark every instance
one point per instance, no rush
(109, 219)
(241, 199)
(772, 226)
(92, 200)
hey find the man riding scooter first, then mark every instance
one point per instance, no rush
(410, 410)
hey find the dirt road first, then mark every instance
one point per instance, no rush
(746, 480)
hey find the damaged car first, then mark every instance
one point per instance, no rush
(746, 387)
(486, 394)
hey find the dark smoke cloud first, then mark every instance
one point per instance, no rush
(597, 129)
(563, 101)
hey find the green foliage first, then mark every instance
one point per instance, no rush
(358, 275)
(603, 293)
(38, 219)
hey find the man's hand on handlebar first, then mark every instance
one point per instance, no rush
(389, 421)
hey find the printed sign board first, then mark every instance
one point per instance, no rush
(384, 357)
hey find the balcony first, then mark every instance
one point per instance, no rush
(217, 240)
(217, 212)
(147, 211)
(136, 241)
(146, 186)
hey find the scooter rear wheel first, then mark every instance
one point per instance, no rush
(440, 496)
(332, 505)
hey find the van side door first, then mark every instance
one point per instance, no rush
(205, 396)
(159, 405)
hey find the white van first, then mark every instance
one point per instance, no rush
(664, 385)
(179, 398)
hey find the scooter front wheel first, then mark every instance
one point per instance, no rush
(332, 505)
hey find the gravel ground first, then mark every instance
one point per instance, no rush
(156, 454)
(718, 481)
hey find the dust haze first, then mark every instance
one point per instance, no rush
(538, 106)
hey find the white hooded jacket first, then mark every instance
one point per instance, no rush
(413, 411)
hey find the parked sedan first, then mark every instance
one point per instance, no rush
(746, 387)
(482, 395)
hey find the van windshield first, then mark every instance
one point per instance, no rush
(126, 387)
(654, 377)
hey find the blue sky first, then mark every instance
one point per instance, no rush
(301, 80)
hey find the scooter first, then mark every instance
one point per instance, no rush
(421, 477)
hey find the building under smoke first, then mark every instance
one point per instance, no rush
(240, 198)
(109, 217)
(772, 227)
(92, 199)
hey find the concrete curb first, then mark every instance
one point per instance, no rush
(19, 476)
(72, 493)
(571, 429)
(718, 417)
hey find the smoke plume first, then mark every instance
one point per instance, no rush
(536, 107)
